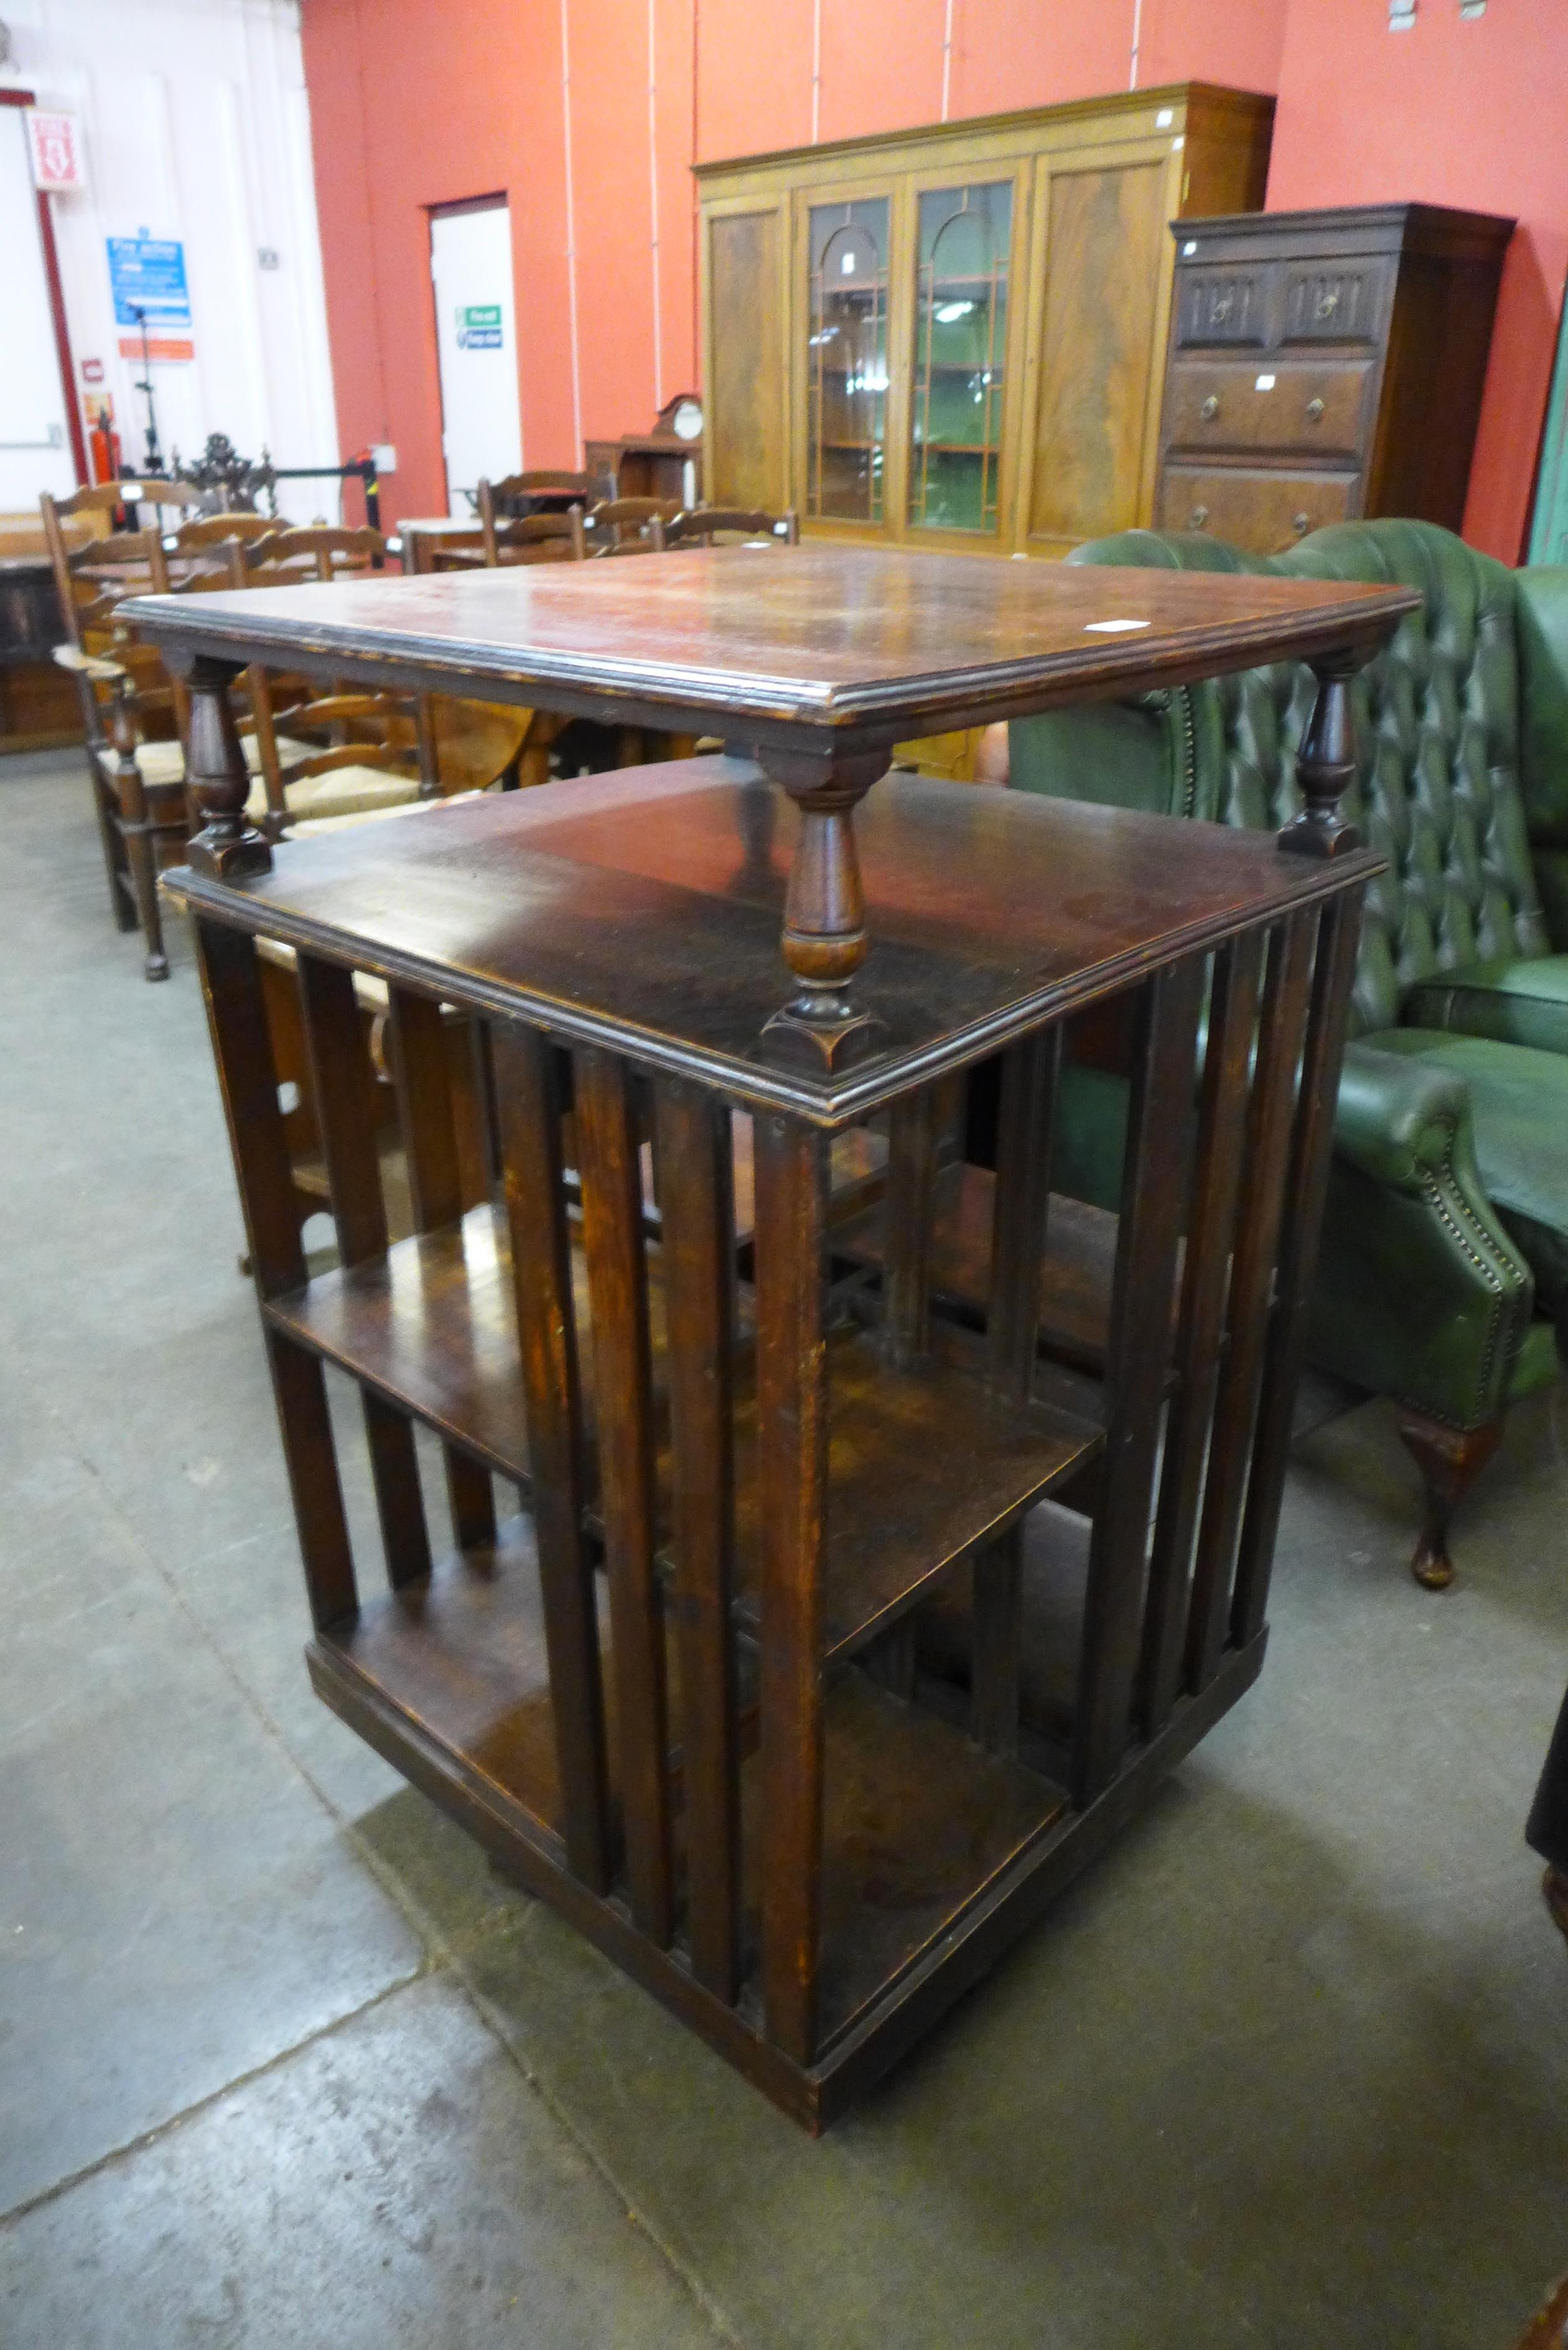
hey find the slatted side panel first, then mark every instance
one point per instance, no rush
(791, 1417)
(1154, 1201)
(1211, 1225)
(697, 1225)
(528, 1098)
(1271, 1116)
(343, 1086)
(236, 1014)
(608, 1135)
(1306, 1186)
(417, 1049)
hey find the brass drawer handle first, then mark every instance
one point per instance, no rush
(1314, 411)
(1210, 409)
(1199, 516)
(1300, 523)
(1329, 303)
(1220, 310)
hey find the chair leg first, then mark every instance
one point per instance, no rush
(1450, 1461)
(140, 841)
(114, 858)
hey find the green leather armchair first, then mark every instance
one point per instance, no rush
(1443, 1278)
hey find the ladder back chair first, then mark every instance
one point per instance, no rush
(726, 525)
(628, 525)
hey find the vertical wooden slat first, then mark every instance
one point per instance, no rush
(236, 1014)
(528, 1099)
(610, 1166)
(1153, 1202)
(697, 1224)
(1270, 1117)
(1306, 1189)
(343, 1085)
(417, 1050)
(996, 1623)
(1223, 1125)
(792, 1415)
(911, 1169)
(1028, 1074)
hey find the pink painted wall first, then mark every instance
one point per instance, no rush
(419, 102)
(1459, 111)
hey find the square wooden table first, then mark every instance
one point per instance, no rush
(871, 1547)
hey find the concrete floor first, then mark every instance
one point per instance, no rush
(281, 2064)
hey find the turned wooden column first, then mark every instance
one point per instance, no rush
(824, 1025)
(228, 846)
(1325, 763)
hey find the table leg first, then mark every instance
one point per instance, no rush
(228, 846)
(822, 1025)
(1325, 763)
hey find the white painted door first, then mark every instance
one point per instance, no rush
(34, 440)
(481, 425)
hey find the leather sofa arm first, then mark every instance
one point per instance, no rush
(1420, 1292)
(1397, 1119)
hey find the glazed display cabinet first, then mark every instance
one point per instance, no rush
(957, 336)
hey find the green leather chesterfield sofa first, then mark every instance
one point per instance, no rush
(1443, 1279)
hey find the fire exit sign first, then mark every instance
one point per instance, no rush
(479, 327)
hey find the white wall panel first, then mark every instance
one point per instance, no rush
(196, 125)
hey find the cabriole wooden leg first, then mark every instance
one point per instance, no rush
(1450, 1461)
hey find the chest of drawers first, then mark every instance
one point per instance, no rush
(1325, 367)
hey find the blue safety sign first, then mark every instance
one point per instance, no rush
(147, 275)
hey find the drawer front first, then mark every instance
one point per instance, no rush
(1218, 406)
(1223, 306)
(1334, 301)
(1259, 511)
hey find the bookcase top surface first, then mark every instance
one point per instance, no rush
(812, 644)
(640, 911)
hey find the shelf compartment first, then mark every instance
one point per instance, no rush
(923, 1464)
(457, 1661)
(431, 1325)
(917, 1822)
(1055, 1573)
(1076, 1280)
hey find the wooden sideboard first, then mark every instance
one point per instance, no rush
(955, 338)
(1325, 366)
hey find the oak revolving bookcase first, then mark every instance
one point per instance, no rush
(877, 1528)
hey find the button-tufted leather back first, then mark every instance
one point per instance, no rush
(1437, 788)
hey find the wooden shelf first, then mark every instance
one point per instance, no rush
(923, 1463)
(958, 448)
(918, 1821)
(451, 1672)
(431, 1325)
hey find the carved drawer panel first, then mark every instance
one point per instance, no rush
(1251, 507)
(1223, 306)
(1333, 302)
(1228, 404)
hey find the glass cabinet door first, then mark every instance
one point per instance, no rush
(960, 340)
(846, 371)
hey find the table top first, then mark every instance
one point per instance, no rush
(791, 644)
(642, 911)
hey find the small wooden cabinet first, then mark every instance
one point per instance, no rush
(953, 338)
(1325, 366)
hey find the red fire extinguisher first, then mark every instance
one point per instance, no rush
(103, 440)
